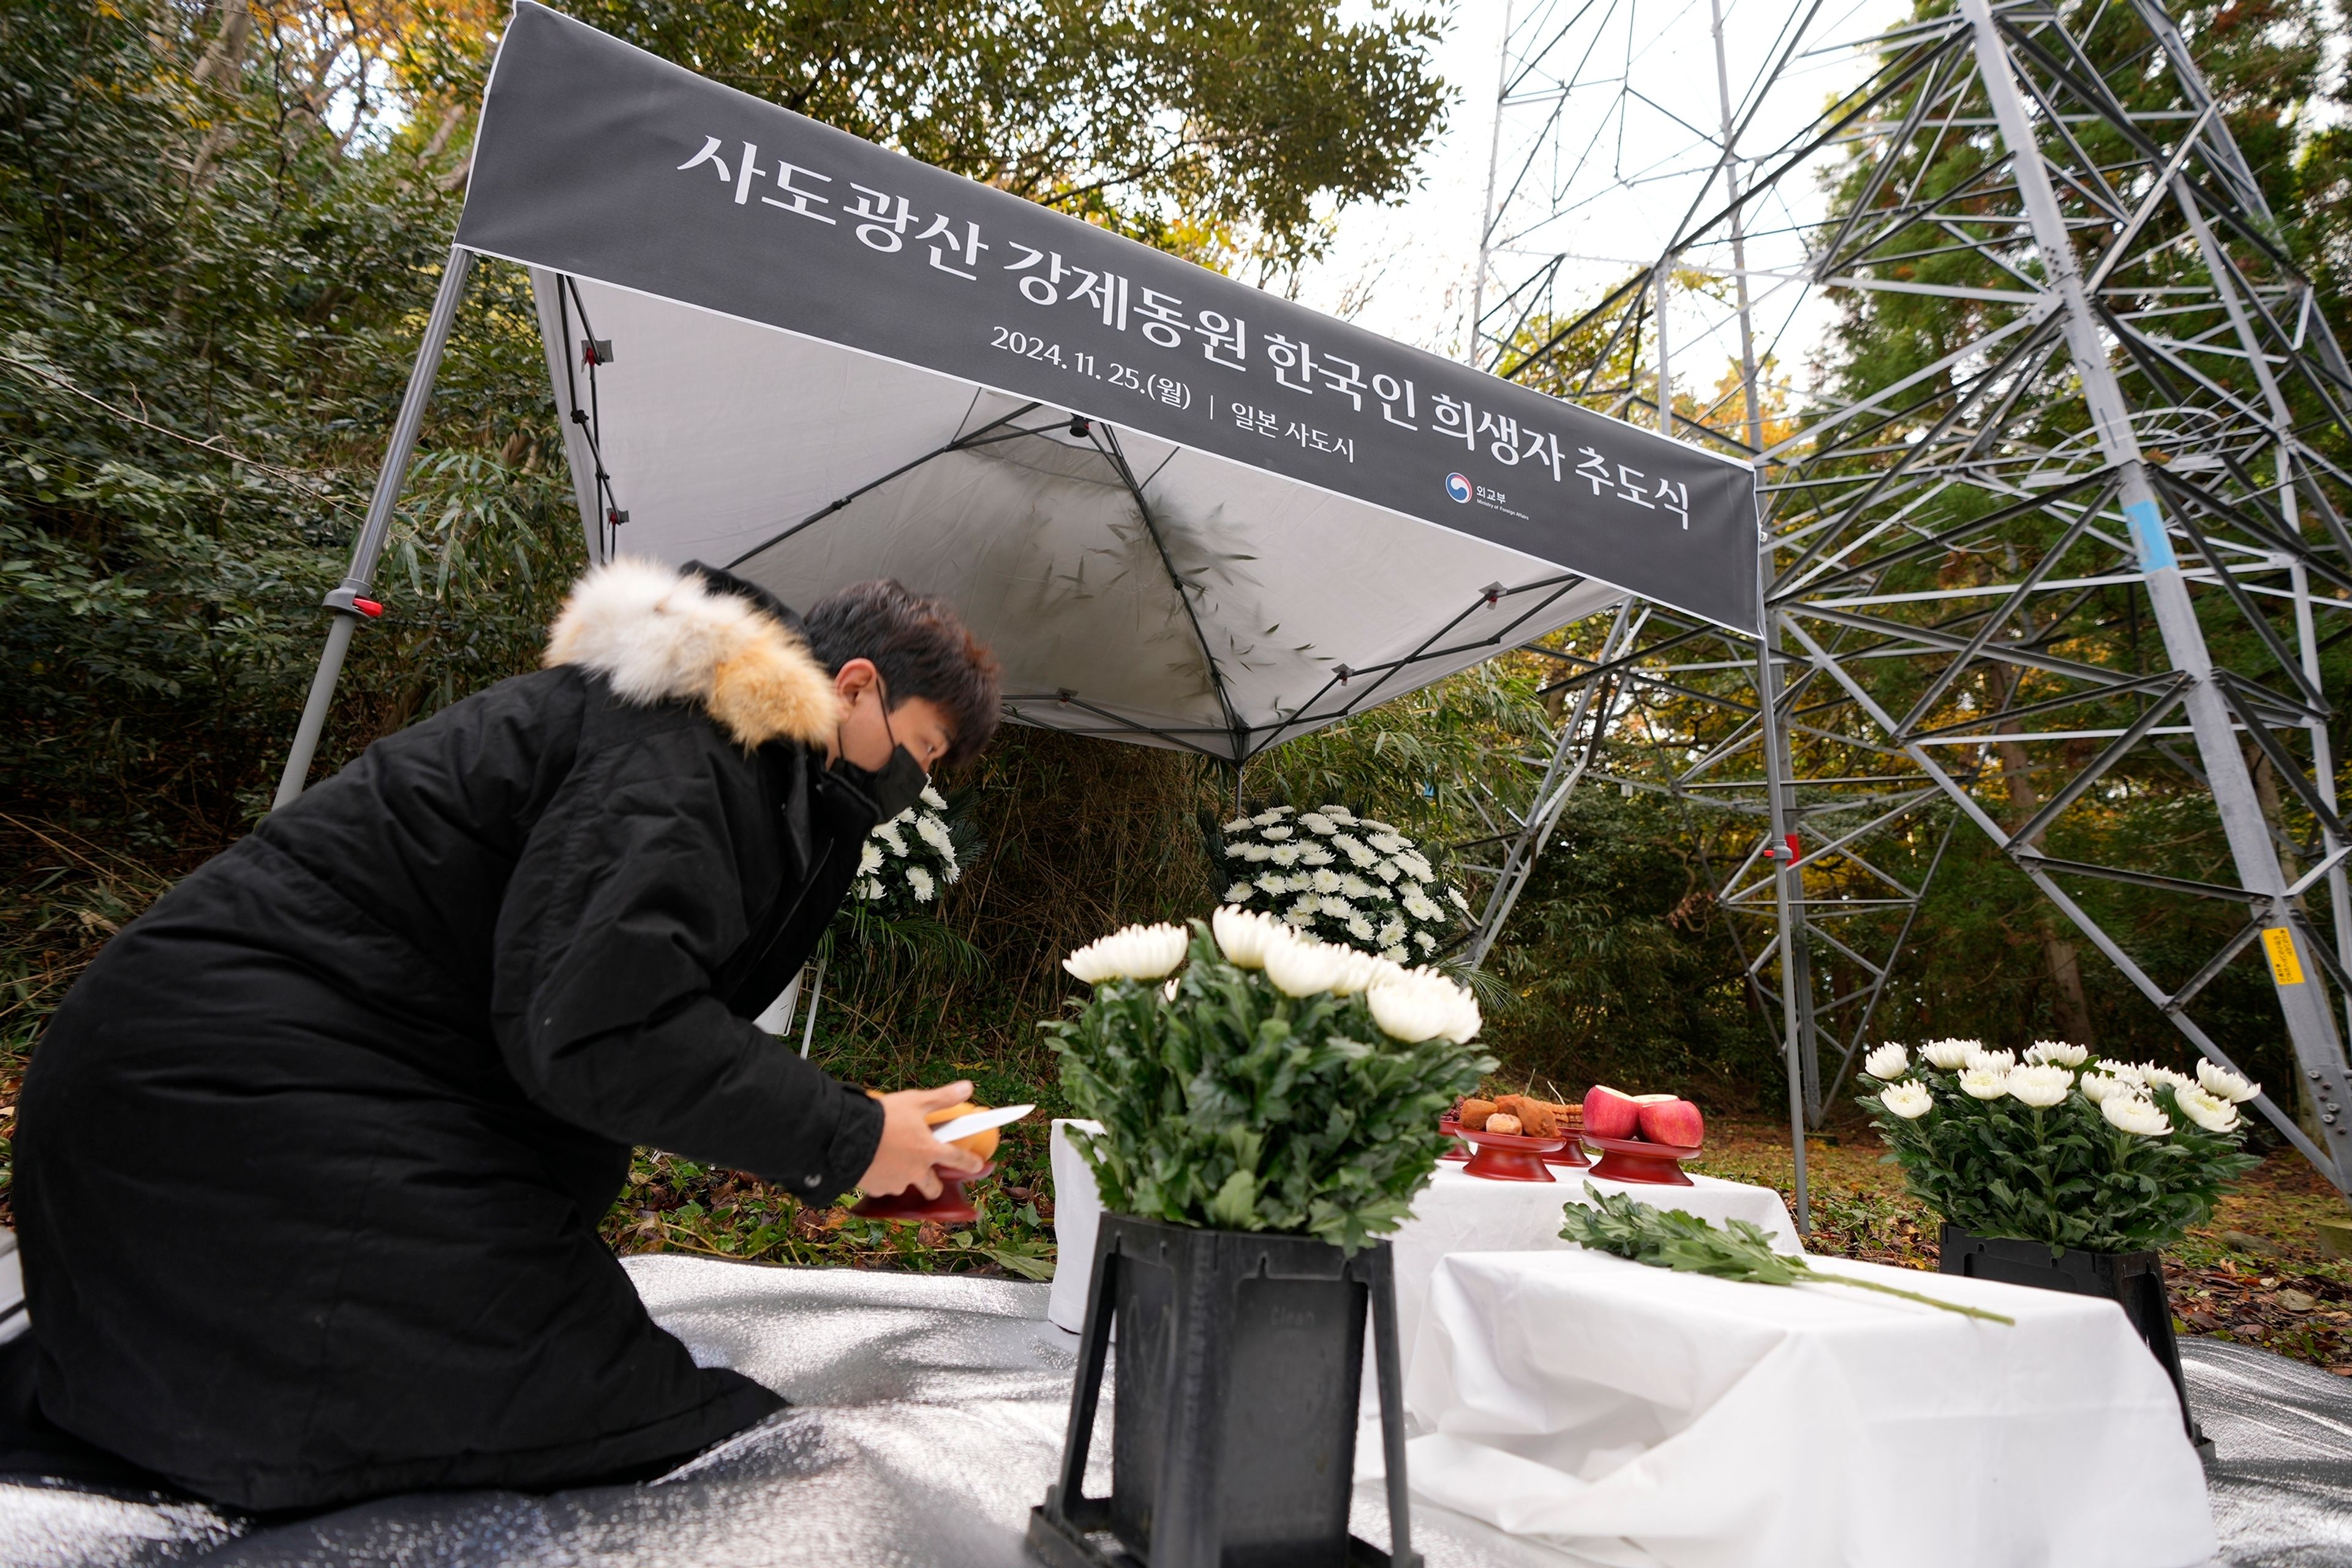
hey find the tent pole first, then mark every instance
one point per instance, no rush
(346, 598)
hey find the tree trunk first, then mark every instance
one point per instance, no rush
(226, 58)
(2058, 952)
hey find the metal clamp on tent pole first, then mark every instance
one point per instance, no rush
(351, 599)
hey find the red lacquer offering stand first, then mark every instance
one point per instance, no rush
(950, 1207)
(1508, 1156)
(1454, 1152)
(1572, 1152)
(1632, 1161)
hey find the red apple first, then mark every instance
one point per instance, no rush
(1608, 1113)
(1674, 1121)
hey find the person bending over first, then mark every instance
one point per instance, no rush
(310, 1161)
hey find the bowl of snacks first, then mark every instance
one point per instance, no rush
(1504, 1148)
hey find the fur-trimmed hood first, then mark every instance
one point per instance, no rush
(659, 634)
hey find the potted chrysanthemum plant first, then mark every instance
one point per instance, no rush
(907, 862)
(904, 868)
(1270, 1107)
(2062, 1169)
(1351, 880)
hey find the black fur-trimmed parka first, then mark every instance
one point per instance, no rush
(311, 1162)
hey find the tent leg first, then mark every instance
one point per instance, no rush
(816, 994)
(344, 598)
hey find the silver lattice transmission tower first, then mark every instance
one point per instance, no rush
(2073, 530)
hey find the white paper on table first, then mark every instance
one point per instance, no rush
(1638, 1416)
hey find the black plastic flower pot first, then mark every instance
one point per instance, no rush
(1234, 1404)
(2134, 1280)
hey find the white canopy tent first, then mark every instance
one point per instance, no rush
(1181, 512)
(1063, 540)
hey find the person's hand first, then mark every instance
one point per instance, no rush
(908, 1154)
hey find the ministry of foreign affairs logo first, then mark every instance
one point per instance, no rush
(1458, 487)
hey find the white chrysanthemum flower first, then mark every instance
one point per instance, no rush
(1274, 885)
(2058, 1053)
(1357, 888)
(888, 833)
(1418, 867)
(1240, 824)
(1361, 970)
(1135, 953)
(1387, 843)
(1360, 928)
(1393, 933)
(1325, 882)
(1300, 914)
(2041, 1084)
(2152, 1075)
(1984, 1083)
(1948, 1055)
(1991, 1061)
(1421, 909)
(2208, 1110)
(870, 888)
(1338, 813)
(1888, 1062)
(1336, 907)
(1388, 870)
(1271, 816)
(869, 858)
(1909, 1099)
(1418, 1006)
(2142, 1118)
(1374, 824)
(1316, 822)
(2098, 1087)
(2125, 1073)
(1428, 943)
(1284, 855)
(1242, 936)
(2222, 1082)
(1303, 966)
(1353, 847)
(934, 832)
(933, 798)
(1277, 834)
(920, 880)
(1239, 893)
(1459, 901)
(1314, 855)
(1394, 952)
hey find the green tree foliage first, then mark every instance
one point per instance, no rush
(1223, 129)
(221, 223)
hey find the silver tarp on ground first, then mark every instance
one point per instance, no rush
(928, 1417)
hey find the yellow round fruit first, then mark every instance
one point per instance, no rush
(982, 1143)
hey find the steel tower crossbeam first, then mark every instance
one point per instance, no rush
(2086, 501)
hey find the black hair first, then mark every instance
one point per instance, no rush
(922, 649)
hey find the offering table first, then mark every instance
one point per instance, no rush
(1634, 1415)
(1456, 1213)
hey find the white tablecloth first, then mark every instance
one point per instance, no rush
(1639, 1416)
(1456, 1213)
